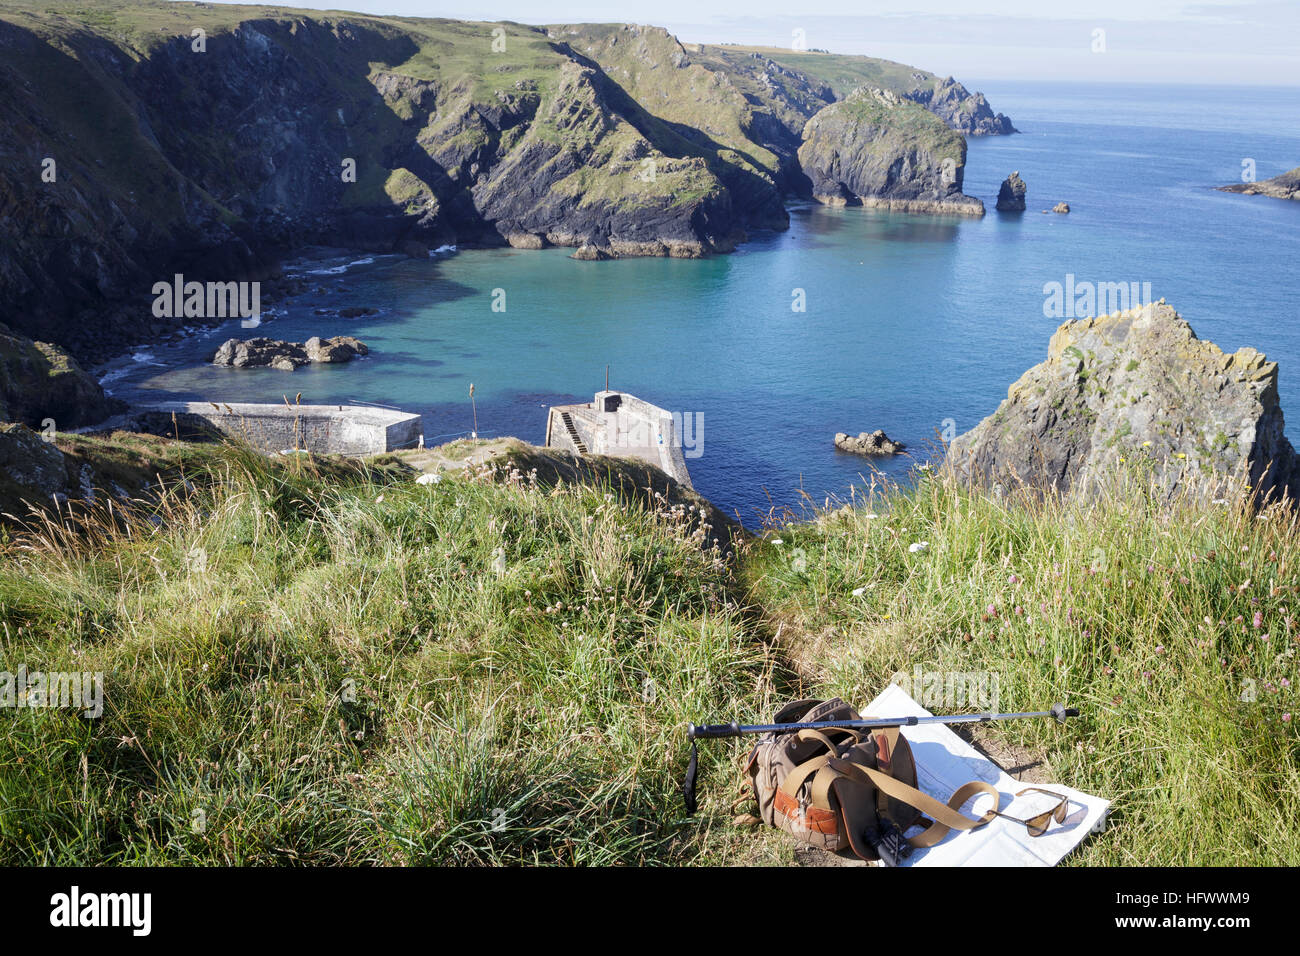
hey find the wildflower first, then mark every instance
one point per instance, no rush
(1013, 579)
(1286, 718)
(777, 541)
(1285, 682)
(858, 592)
(916, 546)
(428, 479)
(991, 611)
(1258, 620)
(1160, 648)
(1108, 670)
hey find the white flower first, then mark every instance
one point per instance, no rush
(777, 541)
(428, 479)
(858, 592)
(871, 514)
(916, 546)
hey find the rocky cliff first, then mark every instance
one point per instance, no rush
(877, 148)
(1135, 390)
(146, 138)
(1285, 186)
(40, 385)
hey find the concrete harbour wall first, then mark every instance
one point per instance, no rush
(320, 429)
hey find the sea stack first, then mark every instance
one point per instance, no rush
(1136, 392)
(1011, 197)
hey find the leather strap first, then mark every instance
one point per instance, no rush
(944, 817)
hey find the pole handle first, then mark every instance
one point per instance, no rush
(1060, 712)
(712, 731)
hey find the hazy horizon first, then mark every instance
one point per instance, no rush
(1223, 43)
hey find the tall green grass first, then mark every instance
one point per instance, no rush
(314, 664)
(1170, 622)
(311, 668)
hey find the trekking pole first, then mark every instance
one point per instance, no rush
(714, 731)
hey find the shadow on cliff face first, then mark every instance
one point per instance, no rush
(211, 164)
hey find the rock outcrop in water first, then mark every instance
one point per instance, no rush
(875, 148)
(129, 156)
(1135, 390)
(873, 443)
(1011, 195)
(287, 356)
(1285, 186)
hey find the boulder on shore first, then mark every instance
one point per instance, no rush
(1011, 197)
(1136, 391)
(875, 443)
(287, 356)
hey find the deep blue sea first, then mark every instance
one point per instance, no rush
(912, 323)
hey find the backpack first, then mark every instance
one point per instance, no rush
(843, 788)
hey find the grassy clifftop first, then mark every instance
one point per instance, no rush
(306, 664)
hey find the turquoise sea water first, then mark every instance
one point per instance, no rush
(911, 324)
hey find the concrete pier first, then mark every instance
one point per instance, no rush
(321, 429)
(621, 425)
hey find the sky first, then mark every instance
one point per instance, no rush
(1226, 42)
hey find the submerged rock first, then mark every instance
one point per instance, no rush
(875, 443)
(1011, 197)
(1136, 390)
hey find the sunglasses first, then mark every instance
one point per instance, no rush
(1037, 825)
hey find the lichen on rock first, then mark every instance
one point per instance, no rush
(1135, 389)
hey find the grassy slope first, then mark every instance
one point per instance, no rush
(908, 124)
(842, 73)
(335, 666)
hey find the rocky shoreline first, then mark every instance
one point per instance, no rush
(613, 140)
(1285, 186)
